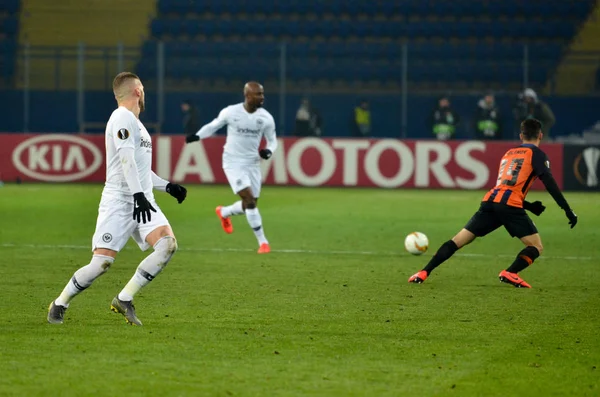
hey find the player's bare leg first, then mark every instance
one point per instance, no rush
(533, 249)
(165, 245)
(444, 253)
(81, 280)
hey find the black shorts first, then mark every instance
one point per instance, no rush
(491, 216)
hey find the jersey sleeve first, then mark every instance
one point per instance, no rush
(540, 163)
(270, 135)
(124, 130)
(158, 183)
(215, 125)
(552, 188)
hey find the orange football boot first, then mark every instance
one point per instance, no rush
(264, 249)
(225, 222)
(418, 278)
(513, 279)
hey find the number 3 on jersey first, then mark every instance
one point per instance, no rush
(512, 173)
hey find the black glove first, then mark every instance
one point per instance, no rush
(191, 138)
(572, 217)
(535, 208)
(265, 154)
(177, 191)
(141, 207)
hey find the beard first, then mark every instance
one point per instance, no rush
(142, 104)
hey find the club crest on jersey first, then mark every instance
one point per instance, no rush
(123, 134)
(107, 237)
(259, 123)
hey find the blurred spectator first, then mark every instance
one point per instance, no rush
(362, 120)
(487, 119)
(530, 106)
(444, 120)
(308, 120)
(190, 117)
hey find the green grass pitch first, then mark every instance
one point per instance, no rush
(328, 313)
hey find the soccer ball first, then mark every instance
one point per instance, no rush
(416, 243)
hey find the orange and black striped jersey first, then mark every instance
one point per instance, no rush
(519, 168)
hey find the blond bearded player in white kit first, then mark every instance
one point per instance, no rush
(246, 123)
(127, 191)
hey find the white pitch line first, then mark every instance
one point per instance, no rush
(300, 251)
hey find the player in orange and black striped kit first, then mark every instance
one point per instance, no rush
(505, 205)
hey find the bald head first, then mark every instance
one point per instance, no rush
(254, 95)
(252, 86)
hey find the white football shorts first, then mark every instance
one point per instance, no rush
(243, 176)
(115, 225)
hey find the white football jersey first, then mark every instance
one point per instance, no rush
(125, 130)
(244, 133)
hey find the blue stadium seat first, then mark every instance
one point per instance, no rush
(504, 8)
(157, 28)
(9, 25)
(338, 28)
(578, 9)
(277, 28)
(465, 40)
(8, 52)
(9, 6)
(179, 7)
(8, 47)
(298, 50)
(392, 29)
(415, 8)
(356, 8)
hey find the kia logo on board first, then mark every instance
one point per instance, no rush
(585, 167)
(57, 158)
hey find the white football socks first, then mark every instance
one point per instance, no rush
(83, 278)
(255, 222)
(233, 209)
(150, 267)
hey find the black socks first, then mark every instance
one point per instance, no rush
(524, 259)
(443, 254)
